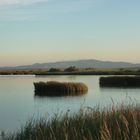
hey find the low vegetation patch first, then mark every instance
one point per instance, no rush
(54, 88)
(89, 124)
(71, 69)
(118, 81)
(54, 70)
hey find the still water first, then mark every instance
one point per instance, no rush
(18, 103)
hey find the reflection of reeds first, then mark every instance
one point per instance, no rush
(114, 124)
(54, 88)
(118, 81)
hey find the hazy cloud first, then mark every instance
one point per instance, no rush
(24, 10)
(21, 2)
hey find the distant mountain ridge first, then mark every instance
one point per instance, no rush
(90, 63)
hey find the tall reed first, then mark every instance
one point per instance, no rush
(54, 88)
(91, 124)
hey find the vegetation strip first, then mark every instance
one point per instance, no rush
(118, 81)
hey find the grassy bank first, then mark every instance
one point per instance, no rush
(53, 88)
(113, 124)
(117, 81)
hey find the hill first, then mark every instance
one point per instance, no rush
(91, 63)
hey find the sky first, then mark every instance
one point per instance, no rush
(38, 31)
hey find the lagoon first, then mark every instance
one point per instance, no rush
(18, 103)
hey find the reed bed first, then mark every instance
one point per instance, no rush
(90, 124)
(53, 88)
(120, 81)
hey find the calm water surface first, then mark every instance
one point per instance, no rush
(18, 103)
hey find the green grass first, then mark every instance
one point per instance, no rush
(90, 124)
(53, 88)
(120, 81)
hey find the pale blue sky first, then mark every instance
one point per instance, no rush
(40, 31)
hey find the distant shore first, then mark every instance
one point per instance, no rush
(89, 73)
(43, 73)
(79, 72)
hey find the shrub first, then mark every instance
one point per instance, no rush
(54, 70)
(71, 69)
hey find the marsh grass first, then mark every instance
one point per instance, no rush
(54, 88)
(121, 123)
(120, 81)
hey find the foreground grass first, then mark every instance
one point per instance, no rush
(112, 124)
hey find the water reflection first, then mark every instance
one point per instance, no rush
(72, 77)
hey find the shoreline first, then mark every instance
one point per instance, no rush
(80, 72)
